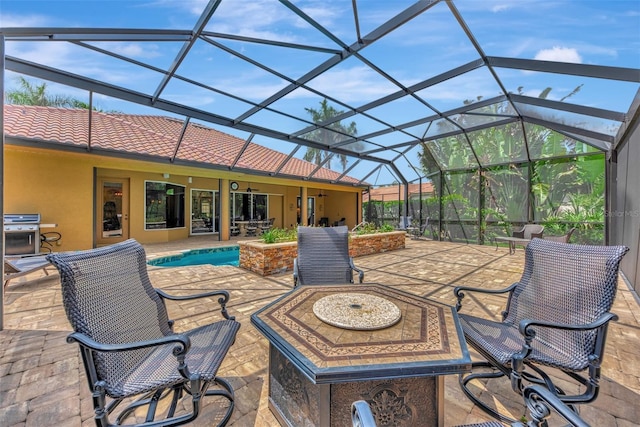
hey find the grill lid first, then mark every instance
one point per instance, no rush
(21, 218)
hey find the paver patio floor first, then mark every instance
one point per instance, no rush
(42, 382)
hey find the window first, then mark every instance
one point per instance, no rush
(165, 205)
(247, 206)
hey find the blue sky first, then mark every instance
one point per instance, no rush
(588, 32)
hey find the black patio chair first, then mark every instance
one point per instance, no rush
(556, 317)
(129, 349)
(323, 257)
(252, 228)
(361, 415)
(542, 404)
(540, 401)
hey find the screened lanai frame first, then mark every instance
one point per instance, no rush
(400, 118)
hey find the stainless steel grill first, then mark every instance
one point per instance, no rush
(21, 234)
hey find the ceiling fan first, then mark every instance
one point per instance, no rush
(249, 189)
(323, 195)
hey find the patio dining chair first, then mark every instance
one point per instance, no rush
(529, 231)
(556, 316)
(418, 232)
(405, 221)
(563, 239)
(252, 228)
(323, 257)
(130, 351)
(521, 237)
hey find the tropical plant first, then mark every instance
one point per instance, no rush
(30, 94)
(279, 235)
(327, 135)
(36, 94)
(508, 186)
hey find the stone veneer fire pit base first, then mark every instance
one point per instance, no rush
(273, 258)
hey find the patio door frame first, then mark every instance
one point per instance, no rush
(213, 211)
(123, 215)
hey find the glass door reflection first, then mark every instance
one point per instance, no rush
(203, 212)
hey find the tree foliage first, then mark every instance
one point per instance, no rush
(28, 93)
(519, 179)
(328, 135)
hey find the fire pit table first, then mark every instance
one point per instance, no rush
(331, 345)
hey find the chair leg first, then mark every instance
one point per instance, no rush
(493, 372)
(225, 391)
(177, 392)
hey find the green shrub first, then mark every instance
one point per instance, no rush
(370, 228)
(386, 228)
(278, 235)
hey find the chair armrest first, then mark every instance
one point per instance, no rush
(518, 233)
(526, 324)
(183, 341)
(225, 295)
(539, 399)
(360, 272)
(361, 414)
(459, 292)
(224, 298)
(179, 351)
(526, 328)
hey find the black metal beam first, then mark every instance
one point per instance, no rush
(186, 47)
(585, 70)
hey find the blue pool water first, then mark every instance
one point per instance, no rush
(229, 255)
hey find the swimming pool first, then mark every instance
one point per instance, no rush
(227, 255)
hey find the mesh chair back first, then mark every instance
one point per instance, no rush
(566, 283)
(531, 229)
(107, 295)
(323, 255)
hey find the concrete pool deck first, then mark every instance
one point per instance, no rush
(42, 382)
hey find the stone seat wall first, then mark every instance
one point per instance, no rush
(273, 258)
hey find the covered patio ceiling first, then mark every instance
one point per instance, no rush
(420, 81)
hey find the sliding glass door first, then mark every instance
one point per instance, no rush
(249, 206)
(203, 212)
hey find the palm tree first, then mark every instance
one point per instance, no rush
(28, 94)
(328, 135)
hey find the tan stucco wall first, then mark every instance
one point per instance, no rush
(60, 186)
(57, 185)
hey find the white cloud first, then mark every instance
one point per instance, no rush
(560, 54)
(354, 85)
(325, 14)
(132, 50)
(500, 8)
(65, 57)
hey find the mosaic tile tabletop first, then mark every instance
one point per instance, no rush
(425, 341)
